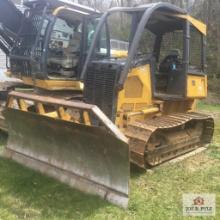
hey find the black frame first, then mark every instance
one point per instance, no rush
(202, 55)
(135, 38)
(42, 9)
(186, 51)
(31, 58)
(147, 10)
(83, 43)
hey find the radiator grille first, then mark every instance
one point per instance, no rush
(100, 87)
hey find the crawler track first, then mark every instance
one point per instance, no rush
(160, 139)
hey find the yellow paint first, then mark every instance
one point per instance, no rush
(65, 7)
(62, 114)
(10, 102)
(40, 108)
(136, 95)
(193, 105)
(54, 84)
(172, 106)
(150, 110)
(119, 53)
(57, 10)
(51, 114)
(22, 105)
(200, 26)
(86, 118)
(135, 100)
(196, 86)
(139, 95)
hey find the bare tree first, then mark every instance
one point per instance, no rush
(207, 10)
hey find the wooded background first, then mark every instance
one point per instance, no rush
(207, 11)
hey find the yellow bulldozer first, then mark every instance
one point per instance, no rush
(88, 117)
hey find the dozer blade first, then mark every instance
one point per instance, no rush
(88, 158)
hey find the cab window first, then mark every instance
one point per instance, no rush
(64, 49)
(196, 55)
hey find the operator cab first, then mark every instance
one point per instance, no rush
(65, 44)
(175, 49)
(48, 40)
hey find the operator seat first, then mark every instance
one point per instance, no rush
(170, 62)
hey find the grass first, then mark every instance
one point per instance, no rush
(215, 111)
(156, 194)
(212, 108)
